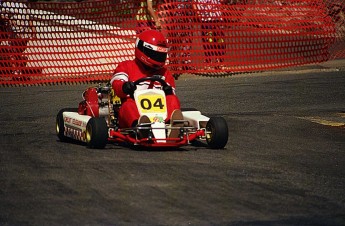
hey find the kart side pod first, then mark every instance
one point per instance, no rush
(195, 118)
(70, 124)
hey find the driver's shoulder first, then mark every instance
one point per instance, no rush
(127, 63)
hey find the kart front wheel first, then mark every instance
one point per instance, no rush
(96, 133)
(217, 133)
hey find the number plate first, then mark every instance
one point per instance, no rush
(153, 103)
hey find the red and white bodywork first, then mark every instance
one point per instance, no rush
(95, 122)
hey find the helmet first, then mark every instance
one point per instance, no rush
(151, 48)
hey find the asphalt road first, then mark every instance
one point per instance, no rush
(284, 163)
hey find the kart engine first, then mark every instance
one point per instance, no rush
(100, 101)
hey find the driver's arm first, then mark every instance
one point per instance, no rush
(170, 80)
(120, 76)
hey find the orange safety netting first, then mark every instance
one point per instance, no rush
(51, 42)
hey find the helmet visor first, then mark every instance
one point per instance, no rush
(156, 53)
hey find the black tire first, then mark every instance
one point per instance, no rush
(96, 133)
(217, 133)
(60, 125)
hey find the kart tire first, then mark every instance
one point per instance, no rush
(60, 125)
(217, 133)
(96, 133)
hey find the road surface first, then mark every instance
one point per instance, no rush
(284, 163)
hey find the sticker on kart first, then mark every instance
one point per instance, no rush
(151, 103)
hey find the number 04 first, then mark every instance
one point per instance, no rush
(147, 105)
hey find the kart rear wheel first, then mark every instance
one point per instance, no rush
(60, 125)
(96, 133)
(217, 133)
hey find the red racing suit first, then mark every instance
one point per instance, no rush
(132, 70)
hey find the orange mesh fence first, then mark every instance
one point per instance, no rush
(52, 42)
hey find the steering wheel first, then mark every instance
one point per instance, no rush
(153, 79)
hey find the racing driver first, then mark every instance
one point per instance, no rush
(151, 51)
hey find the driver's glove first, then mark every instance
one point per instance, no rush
(129, 88)
(168, 90)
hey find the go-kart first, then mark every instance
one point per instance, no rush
(96, 123)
